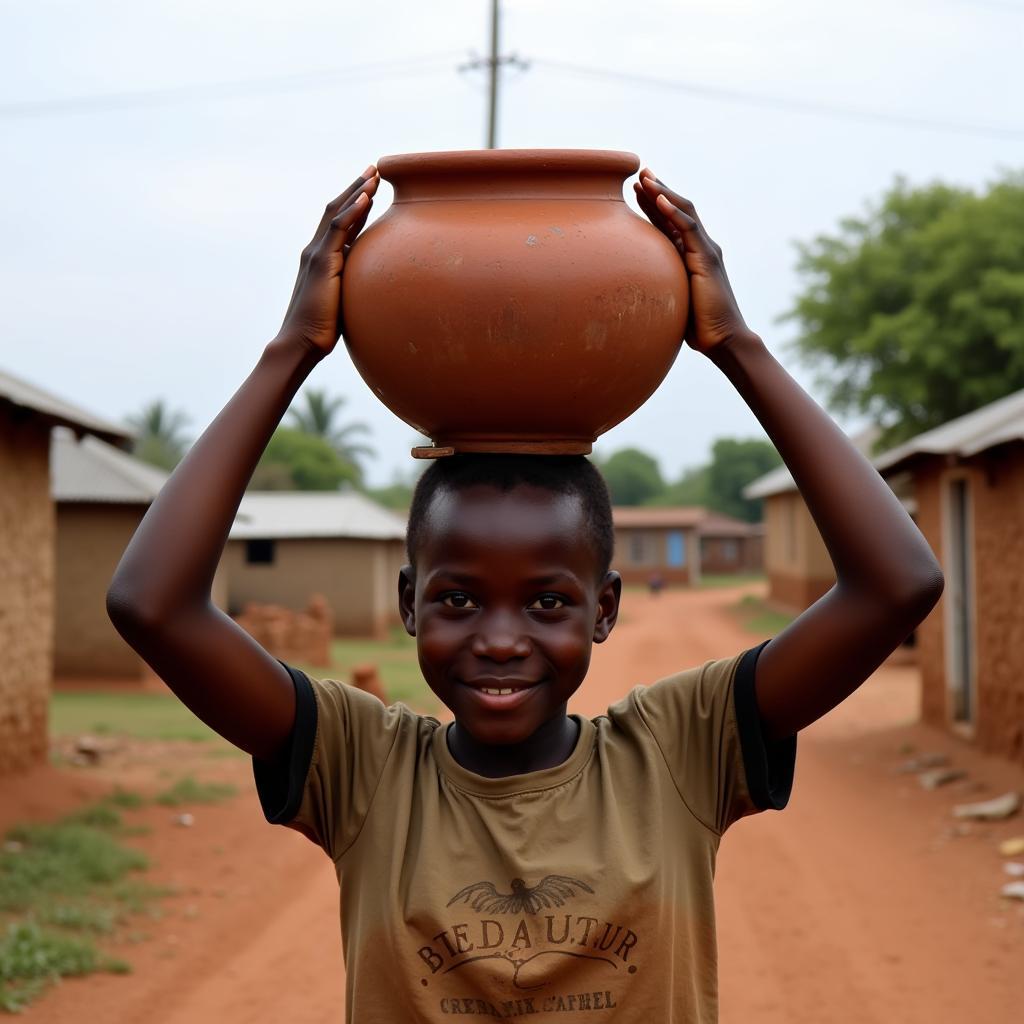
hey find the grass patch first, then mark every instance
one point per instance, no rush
(62, 884)
(60, 859)
(756, 617)
(31, 960)
(190, 791)
(146, 716)
(395, 658)
(712, 581)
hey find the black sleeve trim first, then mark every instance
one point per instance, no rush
(280, 782)
(769, 765)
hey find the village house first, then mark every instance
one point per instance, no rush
(967, 477)
(677, 544)
(28, 549)
(286, 545)
(796, 561)
(101, 494)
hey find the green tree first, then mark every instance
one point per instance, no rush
(158, 435)
(914, 313)
(297, 461)
(690, 489)
(633, 477)
(734, 464)
(320, 418)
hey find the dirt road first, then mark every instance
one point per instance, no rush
(856, 905)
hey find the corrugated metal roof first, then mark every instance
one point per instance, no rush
(282, 514)
(974, 432)
(678, 517)
(27, 396)
(717, 525)
(780, 480)
(92, 470)
(668, 517)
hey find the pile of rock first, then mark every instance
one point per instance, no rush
(934, 770)
(289, 635)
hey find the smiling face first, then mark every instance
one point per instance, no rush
(505, 602)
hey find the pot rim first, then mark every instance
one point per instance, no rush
(401, 166)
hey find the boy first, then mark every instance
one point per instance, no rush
(522, 862)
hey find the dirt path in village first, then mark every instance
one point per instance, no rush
(856, 905)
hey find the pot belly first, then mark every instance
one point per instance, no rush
(498, 324)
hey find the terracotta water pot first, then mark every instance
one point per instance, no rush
(510, 301)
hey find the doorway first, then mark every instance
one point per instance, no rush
(959, 623)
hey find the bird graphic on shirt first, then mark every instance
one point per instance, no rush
(552, 891)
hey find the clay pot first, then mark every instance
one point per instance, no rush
(510, 301)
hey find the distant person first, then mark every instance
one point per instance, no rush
(522, 861)
(655, 583)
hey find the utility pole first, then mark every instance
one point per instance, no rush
(493, 64)
(492, 109)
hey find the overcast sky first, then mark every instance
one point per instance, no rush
(150, 247)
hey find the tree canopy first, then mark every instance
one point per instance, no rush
(734, 464)
(914, 313)
(319, 417)
(296, 461)
(633, 477)
(159, 438)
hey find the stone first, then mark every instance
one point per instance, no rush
(88, 750)
(1013, 890)
(923, 762)
(367, 679)
(186, 820)
(990, 810)
(939, 777)
(289, 635)
(1012, 847)
(1014, 869)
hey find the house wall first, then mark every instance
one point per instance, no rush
(91, 538)
(641, 551)
(90, 541)
(726, 555)
(355, 576)
(27, 530)
(796, 561)
(930, 634)
(997, 512)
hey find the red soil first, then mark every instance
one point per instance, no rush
(858, 904)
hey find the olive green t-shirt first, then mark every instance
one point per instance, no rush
(581, 892)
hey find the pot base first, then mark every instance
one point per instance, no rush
(497, 446)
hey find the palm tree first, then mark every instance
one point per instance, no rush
(320, 418)
(158, 437)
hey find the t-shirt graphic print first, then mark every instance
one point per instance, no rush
(583, 889)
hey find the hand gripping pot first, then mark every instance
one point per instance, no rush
(510, 301)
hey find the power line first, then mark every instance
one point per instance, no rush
(493, 63)
(789, 104)
(269, 86)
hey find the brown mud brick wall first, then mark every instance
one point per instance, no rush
(641, 552)
(931, 634)
(796, 560)
(997, 509)
(91, 538)
(27, 540)
(715, 551)
(795, 593)
(358, 577)
(291, 636)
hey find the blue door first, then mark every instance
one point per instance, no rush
(676, 548)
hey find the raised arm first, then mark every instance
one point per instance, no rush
(887, 579)
(159, 599)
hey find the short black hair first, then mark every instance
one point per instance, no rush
(560, 474)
